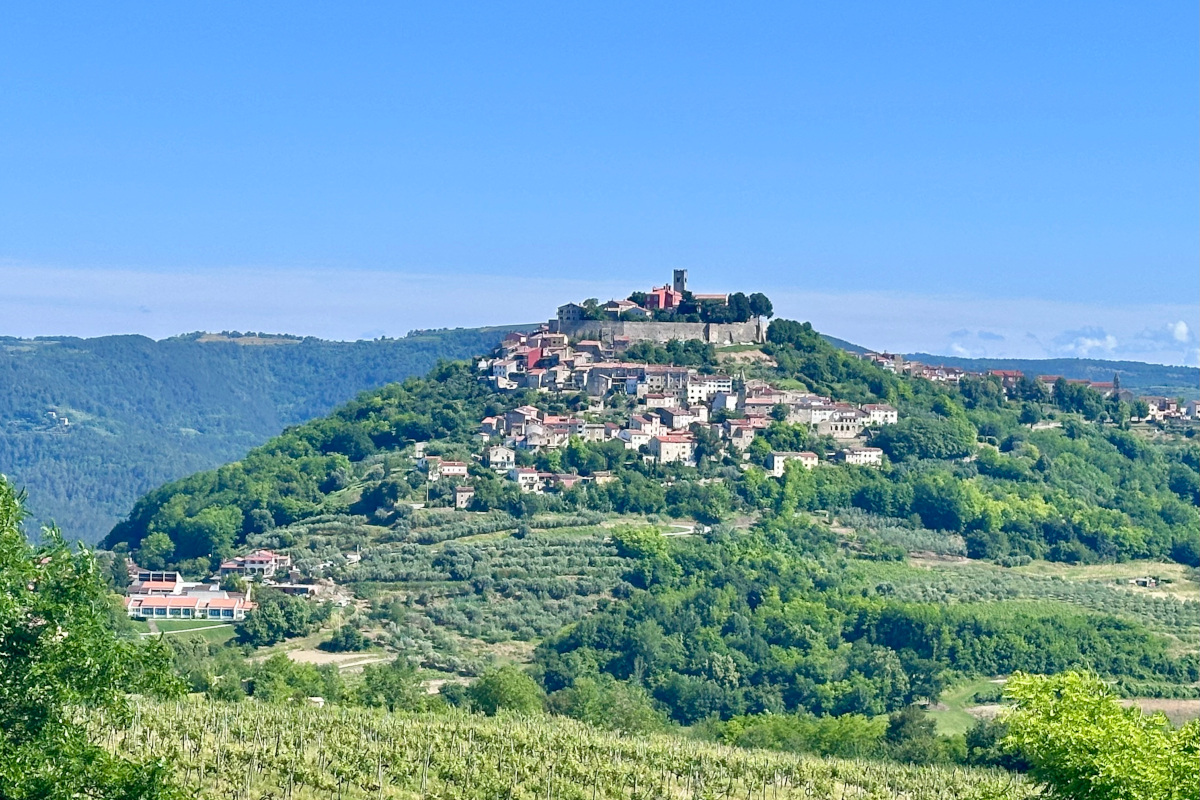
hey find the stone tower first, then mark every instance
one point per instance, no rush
(679, 283)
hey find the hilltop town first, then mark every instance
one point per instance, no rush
(617, 376)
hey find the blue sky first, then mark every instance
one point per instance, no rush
(1009, 179)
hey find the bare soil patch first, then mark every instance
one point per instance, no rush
(1178, 711)
(342, 660)
(750, 357)
(984, 710)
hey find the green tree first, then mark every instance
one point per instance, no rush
(155, 551)
(394, 686)
(608, 703)
(739, 307)
(506, 688)
(760, 305)
(59, 655)
(1082, 744)
(346, 639)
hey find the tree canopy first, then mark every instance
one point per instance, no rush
(59, 653)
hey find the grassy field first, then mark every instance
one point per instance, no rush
(216, 632)
(951, 713)
(1171, 609)
(305, 753)
(1180, 581)
(176, 626)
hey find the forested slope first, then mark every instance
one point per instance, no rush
(141, 412)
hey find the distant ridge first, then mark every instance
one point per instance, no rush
(88, 425)
(1146, 378)
(1138, 375)
(849, 347)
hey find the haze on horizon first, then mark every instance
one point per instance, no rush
(1008, 181)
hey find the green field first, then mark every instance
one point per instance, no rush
(1170, 609)
(221, 750)
(951, 713)
(215, 632)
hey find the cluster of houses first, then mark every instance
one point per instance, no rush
(165, 595)
(1160, 408)
(670, 401)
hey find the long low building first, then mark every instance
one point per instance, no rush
(207, 605)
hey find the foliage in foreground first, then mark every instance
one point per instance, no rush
(1082, 744)
(58, 653)
(304, 752)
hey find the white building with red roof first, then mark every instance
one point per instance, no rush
(206, 605)
(261, 562)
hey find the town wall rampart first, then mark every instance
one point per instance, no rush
(725, 333)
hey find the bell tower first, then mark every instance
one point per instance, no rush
(679, 283)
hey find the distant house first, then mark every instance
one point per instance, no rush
(1161, 407)
(650, 424)
(741, 433)
(880, 414)
(463, 495)
(682, 418)
(453, 469)
(260, 562)
(762, 405)
(725, 401)
(526, 478)
(571, 312)
(1047, 382)
(659, 400)
(518, 419)
(702, 388)
(563, 480)
(595, 432)
(615, 309)
(862, 456)
(633, 438)
(673, 448)
(501, 459)
(432, 466)
(591, 347)
(1009, 378)
(663, 297)
(777, 462)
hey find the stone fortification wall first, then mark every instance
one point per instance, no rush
(752, 332)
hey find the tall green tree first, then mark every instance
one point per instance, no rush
(59, 656)
(506, 688)
(1082, 744)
